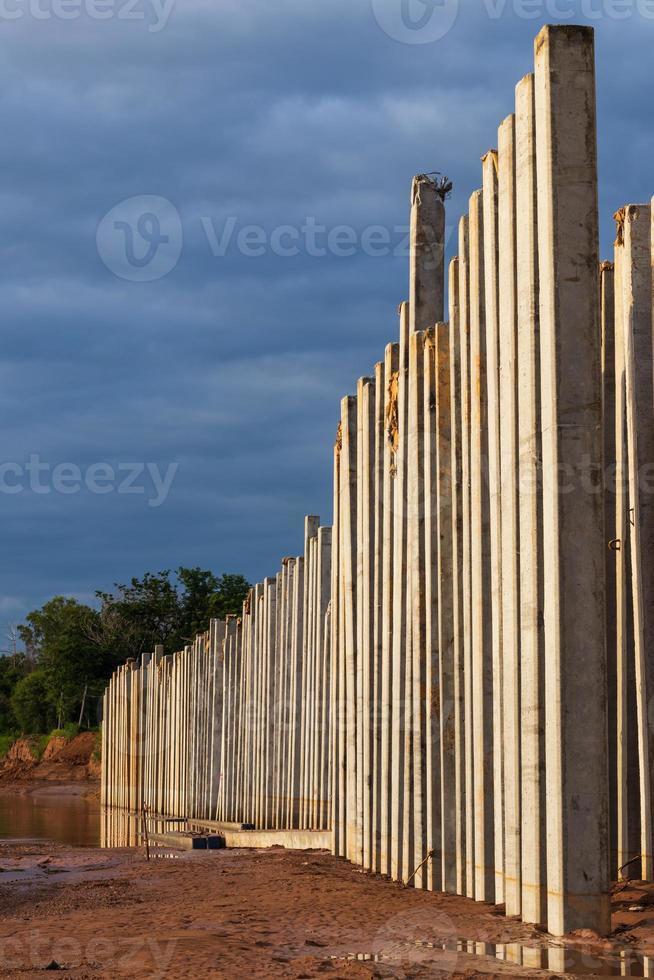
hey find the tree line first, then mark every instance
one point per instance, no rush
(70, 650)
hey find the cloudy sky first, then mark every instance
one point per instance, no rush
(203, 206)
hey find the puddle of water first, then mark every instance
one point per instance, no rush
(577, 962)
(68, 820)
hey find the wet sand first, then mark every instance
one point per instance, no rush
(228, 914)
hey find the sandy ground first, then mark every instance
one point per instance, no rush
(95, 913)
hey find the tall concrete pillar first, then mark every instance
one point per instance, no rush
(480, 554)
(348, 497)
(337, 683)
(573, 522)
(607, 314)
(635, 322)
(427, 246)
(418, 596)
(532, 665)
(401, 648)
(365, 600)
(391, 434)
(443, 813)
(457, 579)
(466, 539)
(625, 734)
(321, 789)
(377, 626)
(495, 399)
(510, 517)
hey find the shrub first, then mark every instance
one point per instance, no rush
(30, 704)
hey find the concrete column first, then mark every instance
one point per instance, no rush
(635, 323)
(281, 697)
(391, 435)
(607, 314)
(427, 265)
(326, 759)
(456, 400)
(532, 559)
(495, 398)
(365, 597)
(296, 698)
(377, 609)
(444, 875)
(321, 787)
(508, 348)
(270, 688)
(337, 677)
(481, 600)
(625, 733)
(573, 523)
(466, 584)
(417, 464)
(431, 697)
(399, 636)
(348, 496)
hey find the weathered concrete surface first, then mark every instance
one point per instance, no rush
(532, 665)
(634, 321)
(573, 522)
(427, 249)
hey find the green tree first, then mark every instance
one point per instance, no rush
(61, 636)
(13, 668)
(152, 610)
(229, 597)
(137, 616)
(32, 705)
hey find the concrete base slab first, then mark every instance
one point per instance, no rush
(188, 841)
(294, 840)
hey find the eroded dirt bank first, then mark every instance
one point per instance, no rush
(274, 913)
(64, 762)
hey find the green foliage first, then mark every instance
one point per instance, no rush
(97, 748)
(6, 742)
(12, 669)
(71, 649)
(68, 732)
(39, 745)
(31, 705)
(155, 610)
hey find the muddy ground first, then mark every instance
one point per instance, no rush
(91, 913)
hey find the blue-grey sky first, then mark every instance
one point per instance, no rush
(217, 115)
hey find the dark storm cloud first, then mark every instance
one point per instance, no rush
(231, 367)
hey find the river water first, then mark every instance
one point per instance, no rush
(64, 818)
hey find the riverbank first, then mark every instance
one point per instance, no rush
(288, 914)
(35, 763)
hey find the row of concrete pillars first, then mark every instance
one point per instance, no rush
(430, 679)
(236, 727)
(468, 603)
(162, 730)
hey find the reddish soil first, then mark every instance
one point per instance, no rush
(64, 761)
(231, 914)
